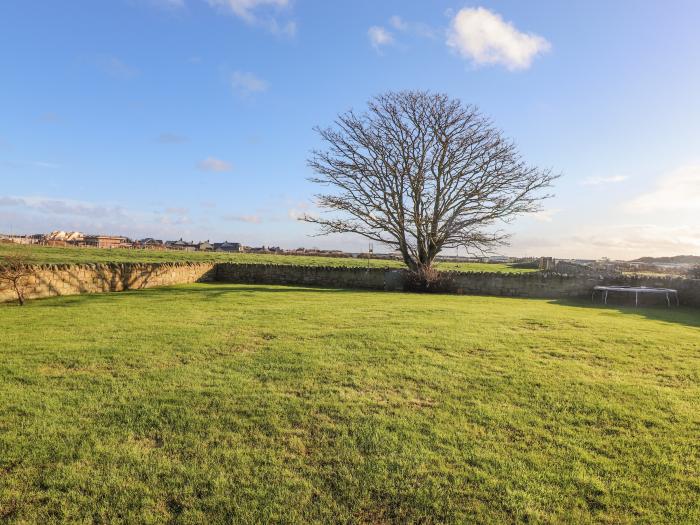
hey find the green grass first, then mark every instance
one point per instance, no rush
(260, 404)
(57, 255)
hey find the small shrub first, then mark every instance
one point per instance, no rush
(15, 268)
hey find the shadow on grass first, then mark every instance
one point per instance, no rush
(208, 291)
(679, 315)
(215, 290)
(205, 291)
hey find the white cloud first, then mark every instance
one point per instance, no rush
(215, 165)
(378, 37)
(245, 9)
(483, 37)
(249, 11)
(674, 192)
(276, 27)
(398, 23)
(597, 181)
(250, 219)
(245, 83)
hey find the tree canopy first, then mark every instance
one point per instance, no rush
(421, 172)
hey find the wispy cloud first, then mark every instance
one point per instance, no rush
(215, 165)
(297, 212)
(415, 28)
(640, 239)
(177, 211)
(674, 192)
(379, 37)
(45, 165)
(250, 219)
(246, 83)
(398, 23)
(264, 13)
(42, 214)
(11, 201)
(174, 216)
(545, 215)
(597, 181)
(167, 4)
(484, 38)
(62, 206)
(620, 241)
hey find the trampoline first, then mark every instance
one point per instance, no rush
(668, 293)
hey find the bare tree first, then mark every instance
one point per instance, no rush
(421, 172)
(15, 268)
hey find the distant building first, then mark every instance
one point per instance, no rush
(181, 246)
(105, 241)
(150, 243)
(227, 246)
(61, 238)
(205, 246)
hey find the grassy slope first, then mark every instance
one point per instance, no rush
(233, 403)
(42, 254)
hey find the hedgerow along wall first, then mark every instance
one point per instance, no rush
(52, 280)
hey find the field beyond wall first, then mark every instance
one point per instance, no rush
(58, 255)
(231, 403)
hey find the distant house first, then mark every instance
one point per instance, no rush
(61, 238)
(181, 245)
(105, 241)
(205, 246)
(150, 243)
(227, 246)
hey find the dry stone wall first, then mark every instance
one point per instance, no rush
(72, 279)
(50, 280)
(330, 277)
(534, 284)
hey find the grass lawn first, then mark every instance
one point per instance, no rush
(216, 403)
(45, 254)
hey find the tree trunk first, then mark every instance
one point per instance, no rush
(20, 293)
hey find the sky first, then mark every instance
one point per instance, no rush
(194, 118)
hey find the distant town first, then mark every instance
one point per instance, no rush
(677, 265)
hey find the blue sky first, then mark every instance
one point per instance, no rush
(193, 118)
